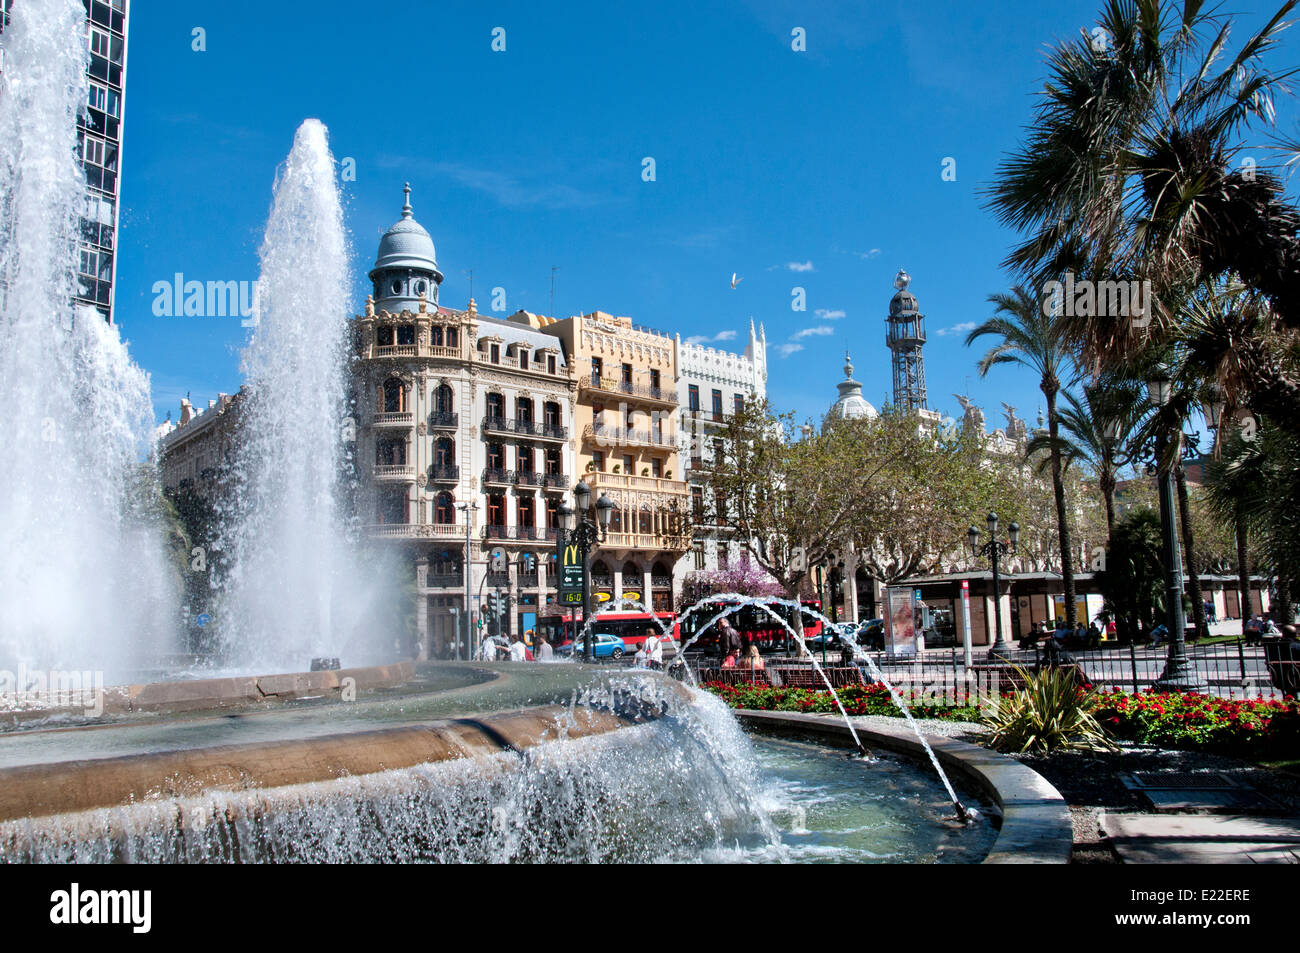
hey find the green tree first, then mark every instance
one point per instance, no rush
(1133, 576)
(1029, 337)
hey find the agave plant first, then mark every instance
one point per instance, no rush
(1051, 713)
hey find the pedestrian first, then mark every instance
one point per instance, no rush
(544, 651)
(518, 651)
(1094, 635)
(654, 650)
(487, 652)
(753, 659)
(728, 644)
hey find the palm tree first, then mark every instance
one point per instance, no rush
(1128, 167)
(1030, 338)
(1095, 432)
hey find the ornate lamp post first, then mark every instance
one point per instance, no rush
(1178, 674)
(581, 530)
(995, 549)
(469, 509)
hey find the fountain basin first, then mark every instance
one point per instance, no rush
(1035, 825)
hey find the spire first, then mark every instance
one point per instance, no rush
(848, 365)
(406, 204)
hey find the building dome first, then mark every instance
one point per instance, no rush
(903, 302)
(851, 405)
(407, 265)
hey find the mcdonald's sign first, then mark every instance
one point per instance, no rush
(570, 574)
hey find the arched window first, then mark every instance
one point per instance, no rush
(444, 452)
(453, 338)
(442, 398)
(394, 396)
(551, 414)
(444, 511)
(435, 335)
(384, 336)
(524, 409)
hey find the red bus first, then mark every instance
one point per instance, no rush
(753, 624)
(628, 626)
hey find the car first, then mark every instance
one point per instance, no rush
(606, 646)
(871, 634)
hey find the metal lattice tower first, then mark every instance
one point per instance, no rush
(906, 337)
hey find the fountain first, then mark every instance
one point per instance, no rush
(294, 586)
(85, 584)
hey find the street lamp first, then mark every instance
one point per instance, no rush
(995, 549)
(1216, 399)
(582, 531)
(1178, 674)
(467, 509)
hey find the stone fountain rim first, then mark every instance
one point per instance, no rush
(1036, 824)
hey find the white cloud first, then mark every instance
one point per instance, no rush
(820, 330)
(705, 339)
(956, 329)
(800, 265)
(788, 349)
(867, 255)
(827, 315)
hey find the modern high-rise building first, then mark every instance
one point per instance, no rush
(100, 134)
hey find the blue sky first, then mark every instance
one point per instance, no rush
(818, 169)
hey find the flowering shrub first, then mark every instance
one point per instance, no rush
(857, 700)
(1242, 727)
(1175, 720)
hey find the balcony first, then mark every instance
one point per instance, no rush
(555, 481)
(661, 582)
(444, 474)
(638, 392)
(604, 436)
(393, 350)
(699, 416)
(412, 350)
(413, 530)
(524, 428)
(442, 420)
(445, 582)
(399, 472)
(523, 533)
(498, 475)
(531, 478)
(602, 582)
(676, 543)
(623, 481)
(404, 419)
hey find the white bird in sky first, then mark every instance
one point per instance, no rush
(735, 281)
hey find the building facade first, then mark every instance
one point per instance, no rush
(464, 434)
(626, 448)
(99, 128)
(711, 386)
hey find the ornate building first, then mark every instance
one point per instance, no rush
(464, 428)
(712, 385)
(627, 449)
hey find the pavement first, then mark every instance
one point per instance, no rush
(1202, 839)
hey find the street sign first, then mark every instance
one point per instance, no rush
(498, 558)
(571, 574)
(202, 620)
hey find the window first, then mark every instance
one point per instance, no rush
(496, 406)
(97, 97)
(524, 409)
(598, 414)
(523, 359)
(656, 467)
(693, 397)
(629, 464)
(89, 262)
(494, 353)
(453, 337)
(654, 380)
(435, 335)
(596, 368)
(99, 43)
(525, 455)
(553, 460)
(527, 513)
(697, 505)
(394, 397)
(496, 509)
(598, 458)
(496, 456)
(390, 453)
(698, 549)
(738, 403)
(552, 512)
(627, 375)
(405, 335)
(551, 414)
(444, 510)
(384, 337)
(444, 452)
(717, 405)
(550, 363)
(443, 399)
(92, 150)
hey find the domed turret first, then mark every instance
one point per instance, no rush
(406, 265)
(851, 404)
